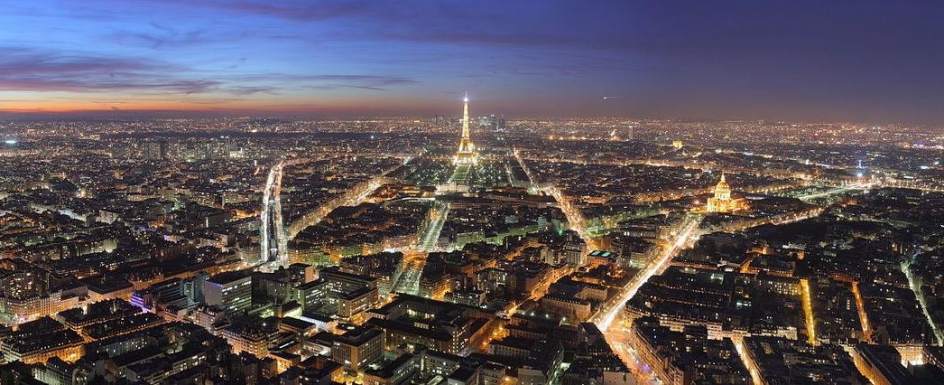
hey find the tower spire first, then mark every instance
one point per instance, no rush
(465, 116)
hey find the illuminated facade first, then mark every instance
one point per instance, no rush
(231, 292)
(722, 202)
(254, 342)
(18, 310)
(466, 154)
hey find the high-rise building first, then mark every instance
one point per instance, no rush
(155, 150)
(231, 291)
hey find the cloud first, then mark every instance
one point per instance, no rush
(326, 81)
(162, 39)
(250, 90)
(160, 36)
(672, 29)
(366, 82)
(25, 69)
(454, 22)
(303, 11)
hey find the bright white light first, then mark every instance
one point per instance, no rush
(10, 141)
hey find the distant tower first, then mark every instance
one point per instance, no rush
(466, 153)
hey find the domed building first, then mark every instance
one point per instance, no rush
(722, 202)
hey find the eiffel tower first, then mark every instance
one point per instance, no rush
(466, 154)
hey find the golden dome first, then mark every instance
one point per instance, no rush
(722, 190)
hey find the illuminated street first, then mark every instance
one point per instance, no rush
(414, 261)
(860, 309)
(746, 359)
(613, 320)
(808, 316)
(274, 245)
(686, 234)
(915, 287)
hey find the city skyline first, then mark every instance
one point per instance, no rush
(867, 61)
(358, 192)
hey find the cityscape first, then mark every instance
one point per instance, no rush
(200, 236)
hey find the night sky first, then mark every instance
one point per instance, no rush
(827, 60)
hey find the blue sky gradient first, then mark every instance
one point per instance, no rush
(795, 60)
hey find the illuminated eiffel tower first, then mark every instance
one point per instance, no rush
(466, 154)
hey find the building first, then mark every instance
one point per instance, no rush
(314, 294)
(231, 291)
(301, 273)
(353, 303)
(358, 348)
(254, 341)
(38, 341)
(574, 252)
(19, 310)
(722, 202)
(567, 307)
(57, 372)
(411, 322)
(881, 364)
(682, 358)
(155, 150)
(395, 372)
(170, 293)
(778, 361)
